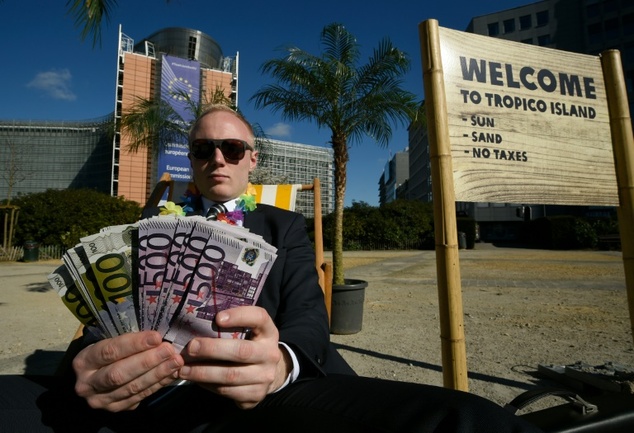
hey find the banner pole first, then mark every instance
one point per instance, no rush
(623, 146)
(453, 349)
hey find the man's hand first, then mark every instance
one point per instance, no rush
(117, 373)
(245, 371)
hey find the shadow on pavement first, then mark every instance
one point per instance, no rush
(39, 287)
(412, 362)
(43, 362)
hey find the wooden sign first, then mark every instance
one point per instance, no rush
(527, 124)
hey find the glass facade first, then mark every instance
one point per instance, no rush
(40, 155)
(185, 43)
(301, 163)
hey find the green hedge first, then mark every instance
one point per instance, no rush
(62, 217)
(400, 224)
(407, 224)
(562, 233)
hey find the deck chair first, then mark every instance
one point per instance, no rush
(285, 197)
(282, 196)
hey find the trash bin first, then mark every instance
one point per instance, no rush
(31, 251)
(462, 240)
(346, 314)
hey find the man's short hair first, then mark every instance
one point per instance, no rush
(213, 108)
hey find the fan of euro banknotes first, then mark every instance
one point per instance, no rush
(167, 273)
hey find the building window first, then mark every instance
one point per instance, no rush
(527, 41)
(509, 25)
(594, 33)
(611, 29)
(593, 10)
(610, 6)
(628, 51)
(543, 40)
(526, 22)
(628, 24)
(629, 81)
(494, 29)
(542, 18)
(191, 49)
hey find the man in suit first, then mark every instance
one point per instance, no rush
(286, 376)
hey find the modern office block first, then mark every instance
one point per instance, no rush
(36, 156)
(300, 163)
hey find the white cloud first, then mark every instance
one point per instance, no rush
(55, 84)
(279, 130)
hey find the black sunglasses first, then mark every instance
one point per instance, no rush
(232, 148)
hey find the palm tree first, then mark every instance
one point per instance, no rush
(89, 15)
(352, 101)
(152, 123)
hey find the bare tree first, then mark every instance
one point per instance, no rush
(14, 168)
(13, 163)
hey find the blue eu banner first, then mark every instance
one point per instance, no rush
(179, 77)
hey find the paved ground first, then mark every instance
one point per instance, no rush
(521, 307)
(36, 325)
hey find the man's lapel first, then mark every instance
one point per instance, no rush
(254, 221)
(197, 205)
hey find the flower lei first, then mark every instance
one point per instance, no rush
(171, 208)
(191, 195)
(245, 203)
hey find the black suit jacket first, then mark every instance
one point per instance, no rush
(292, 295)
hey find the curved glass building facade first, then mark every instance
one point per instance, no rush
(185, 43)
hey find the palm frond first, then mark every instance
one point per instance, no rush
(334, 92)
(339, 44)
(151, 123)
(89, 15)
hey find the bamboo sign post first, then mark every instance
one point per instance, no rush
(623, 142)
(512, 123)
(454, 357)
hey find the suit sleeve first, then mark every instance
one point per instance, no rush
(293, 297)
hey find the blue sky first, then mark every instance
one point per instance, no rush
(48, 73)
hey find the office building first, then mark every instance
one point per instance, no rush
(581, 26)
(175, 64)
(301, 163)
(394, 178)
(36, 156)
(419, 182)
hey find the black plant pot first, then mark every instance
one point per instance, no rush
(346, 314)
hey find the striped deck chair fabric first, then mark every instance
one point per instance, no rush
(282, 196)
